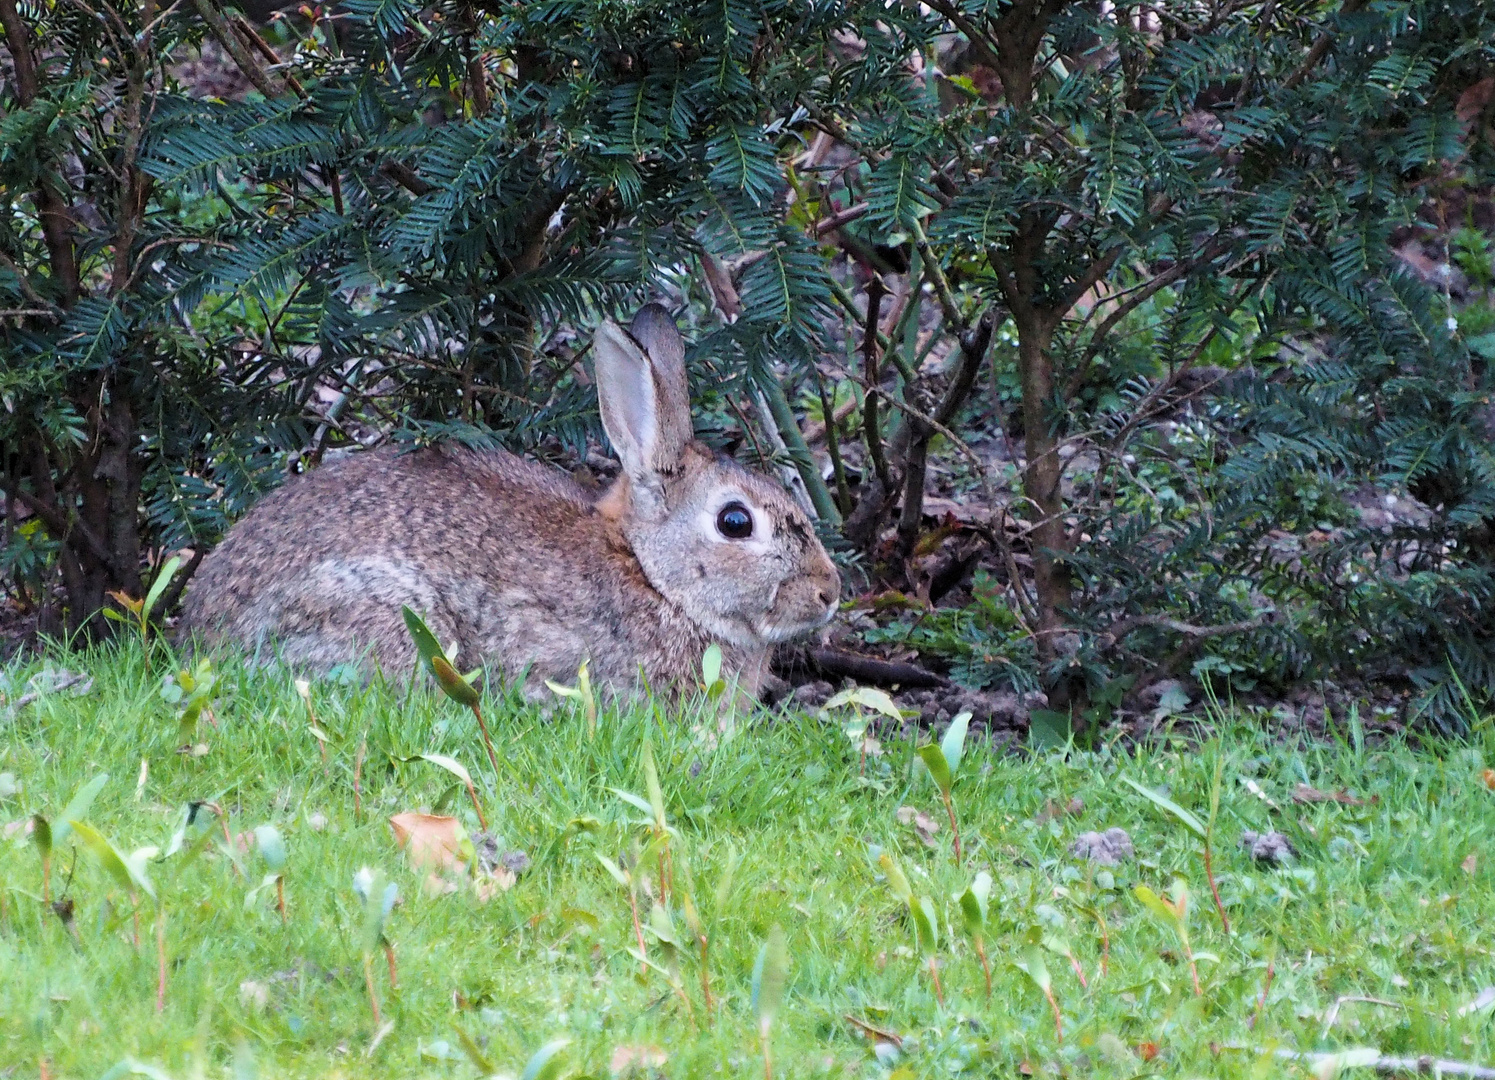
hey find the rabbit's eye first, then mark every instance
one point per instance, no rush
(734, 522)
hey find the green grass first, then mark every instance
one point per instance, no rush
(1380, 904)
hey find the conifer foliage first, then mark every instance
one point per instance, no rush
(1126, 214)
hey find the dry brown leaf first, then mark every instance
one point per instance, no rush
(1474, 100)
(723, 291)
(253, 995)
(1305, 794)
(434, 885)
(923, 824)
(627, 1059)
(1469, 864)
(429, 841)
(489, 884)
(1052, 810)
(12, 827)
(1488, 778)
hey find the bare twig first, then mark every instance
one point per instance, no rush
(1386, 1064)
(224, 34)
(839, 218)
(245, 27)
(1122, 627)
(406, 177)
(1130, 304)
(870, 426)
(1319, 47)
(183, 576)
(1331, 1014)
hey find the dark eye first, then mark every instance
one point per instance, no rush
(734, 522)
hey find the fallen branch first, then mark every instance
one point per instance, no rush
(1385, 1064)
(838, 662)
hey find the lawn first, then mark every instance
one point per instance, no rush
(1378, 935)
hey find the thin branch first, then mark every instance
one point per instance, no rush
(985, 47)
(921, 417)
(179, 583)
(59, 526)
(245, 27)
(871, 428)
(839, 218)
(26, 290)
(936, 273)
(52, 208)
(1320, 47)
(1097, 269)
(406, 177)
(225, 36)
(842, 664)
(1122, 627)
(1130, 304)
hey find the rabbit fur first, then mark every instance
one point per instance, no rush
(522, 567)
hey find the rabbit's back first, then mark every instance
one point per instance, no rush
(510, 560)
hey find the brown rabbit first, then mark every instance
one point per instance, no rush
(519, 565)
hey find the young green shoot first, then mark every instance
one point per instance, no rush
(453, 684)
(191, 692)
(942, 759)
(855, 726)
(378, 896)
(457, 769)
(547, 1062)
(711, 672)
(927, 933)
(140, 611)
(303, 690)
(770, 973)
(129, 872)
(47, 839)
(628, 879)
(273, 850)
(697, 923)
(1173, 913)
(1032, 962)
(921, 915)
(662, 929)
(1200, 829)
(656, 821)
(1058, 944)
(581, 692)
(973, 913)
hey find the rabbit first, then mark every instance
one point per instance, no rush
(523, 568)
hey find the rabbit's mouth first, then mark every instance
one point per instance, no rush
(776, 631)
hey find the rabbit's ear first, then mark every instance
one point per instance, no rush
(642, 392)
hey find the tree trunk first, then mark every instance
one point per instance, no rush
(1044, 500)
(89, 502)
